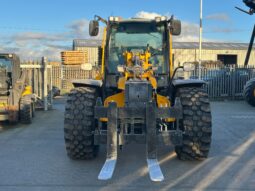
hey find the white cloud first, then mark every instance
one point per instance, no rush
(34, 45)
(79, 28)
(147, 15)
(23, 36)
(190, 31)
(219, 17)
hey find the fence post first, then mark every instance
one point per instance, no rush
(61, 76)
(40, 81)
(233, 82)
(51, 84)
(45, 83)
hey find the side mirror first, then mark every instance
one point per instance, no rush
(175, 27)
(86, 67)
(93, 28)
(188, 66)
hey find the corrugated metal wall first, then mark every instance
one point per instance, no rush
(191, 55)
(92, 53)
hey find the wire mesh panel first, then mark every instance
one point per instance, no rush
(39, 76)
(225, 83)
(71, 73)
(56, 76)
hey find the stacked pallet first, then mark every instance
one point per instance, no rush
(57, 64)
(74, 57)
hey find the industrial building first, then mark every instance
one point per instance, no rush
(227, 53)
(91, 47)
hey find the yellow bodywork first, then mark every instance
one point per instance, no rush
(27, 91)
(149, 75)
(171, 67)
(10, 112)
(100, 74)
(119, 98)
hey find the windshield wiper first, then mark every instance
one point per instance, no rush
(153, 35)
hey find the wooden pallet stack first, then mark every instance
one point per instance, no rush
(74, 57)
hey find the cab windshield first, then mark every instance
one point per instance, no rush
(137, 38)
(5, 64)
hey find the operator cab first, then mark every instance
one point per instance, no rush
(138, 37)
(8, 75)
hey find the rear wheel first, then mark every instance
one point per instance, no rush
(249, 92)
(196, 124)
(33, 108)
(26, 110)
(79, 124)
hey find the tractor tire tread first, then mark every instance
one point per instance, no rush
(25, 111)
(249, 89)
(79, 123)
(196, 124)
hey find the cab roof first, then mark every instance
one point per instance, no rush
(138, 20)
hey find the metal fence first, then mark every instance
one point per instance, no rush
(62, 76)
(39, 76)
(225, 83)
(221, 83)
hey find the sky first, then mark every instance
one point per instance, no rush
(35, 28)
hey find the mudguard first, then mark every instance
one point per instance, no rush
(188, 83)
(87, 83)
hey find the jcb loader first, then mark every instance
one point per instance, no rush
(16, 96)
(135, 98)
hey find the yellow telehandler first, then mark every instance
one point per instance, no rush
(136, 98)
(16, 97)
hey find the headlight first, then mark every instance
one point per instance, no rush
(164, 18)
(157, 19)
(114, 19)
(160, 19)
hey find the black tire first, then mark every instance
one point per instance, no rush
(33, 108)
(196, 124)
(249, 92)
(26, 110)
(79, 123)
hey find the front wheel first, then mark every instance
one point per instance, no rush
(196, 124)
(249, 92)
(79, 124)
(26, 110)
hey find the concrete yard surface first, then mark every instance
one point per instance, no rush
(33, 158)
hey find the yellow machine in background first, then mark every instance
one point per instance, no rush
(16, 97)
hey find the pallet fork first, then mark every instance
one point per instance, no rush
(151, 136)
